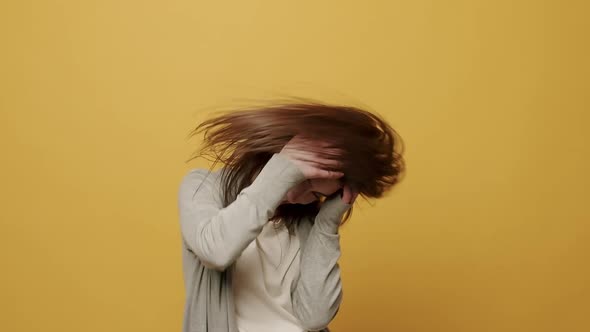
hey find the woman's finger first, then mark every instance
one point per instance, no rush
(318, 173)
(346, 194)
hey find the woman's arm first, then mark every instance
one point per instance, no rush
(216, 235)
(318, 291)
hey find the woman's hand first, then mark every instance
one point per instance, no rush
(348, 194)
(329, 217)
(297, 150)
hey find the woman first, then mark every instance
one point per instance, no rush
(260, 240)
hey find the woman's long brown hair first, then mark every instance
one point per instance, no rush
(245, 139)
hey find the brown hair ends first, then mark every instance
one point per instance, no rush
(244, 139)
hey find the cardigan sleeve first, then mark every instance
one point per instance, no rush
(216, 235)
(317, 293)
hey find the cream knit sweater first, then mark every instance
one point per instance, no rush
(263, 277)
(213, 238)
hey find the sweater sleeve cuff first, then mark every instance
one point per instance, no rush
(330, 215)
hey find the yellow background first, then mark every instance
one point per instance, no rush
(488, 231)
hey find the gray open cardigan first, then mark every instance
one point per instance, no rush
(214, 237)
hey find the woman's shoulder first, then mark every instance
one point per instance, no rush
(201, 173)
(199, 177)
(202, 186)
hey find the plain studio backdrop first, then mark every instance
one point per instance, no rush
(488, 231)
